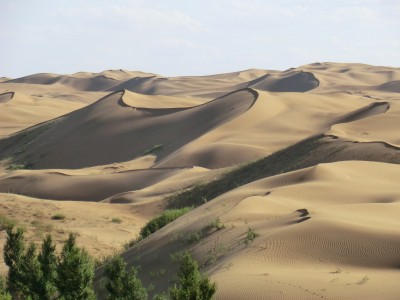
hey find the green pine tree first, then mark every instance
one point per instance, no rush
(123, 285)
(31, 274)
(48, 265)
(192, 285)
(75, 272)
(14, 251)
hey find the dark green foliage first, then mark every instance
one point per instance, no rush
(14, 167)
(4, 295)
(192, 285)
(323, 148)
(162, 296)
(123, 285)
(31, 274)
(58, 216)
(48, 265)
(14, 251)
(75, 272)
(163, 219)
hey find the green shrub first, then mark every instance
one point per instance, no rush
(251, 235)
(216, 224)
(14, 167)
(116, 220)
(58, 216)
(4, 294)
(194, 237)
(163, 219)
(6, 222)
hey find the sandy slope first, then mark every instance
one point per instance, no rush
(118, 142)
(102, 228)
(327, 232)
(18, 111)
(112, 131)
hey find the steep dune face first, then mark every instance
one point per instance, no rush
(391, 87)
(6, 97)
(111, 131)
(276, 121)
(377, 127)
(348, 237)
(289, 82)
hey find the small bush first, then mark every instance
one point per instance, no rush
(163, 219)
(58, 216)
(6, 222)
(194, 237)
(116, 220)
(251, 235)
(13, 167)
(216, 224)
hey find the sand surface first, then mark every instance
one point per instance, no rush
(106, 149)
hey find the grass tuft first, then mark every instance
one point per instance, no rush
(58, 216)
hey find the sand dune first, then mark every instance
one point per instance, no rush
(379, 127)
(299, 166)
(337, 77)
(341, 240)
(392, 87)
(129, 131)
(369, 110)
(6, 97)
(92, 221)
(18, 111)
(59, 186)
(95, 82)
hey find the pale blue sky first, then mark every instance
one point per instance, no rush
(182, 37)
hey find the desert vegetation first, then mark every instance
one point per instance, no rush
(45, 274)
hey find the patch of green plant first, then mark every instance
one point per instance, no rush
(216, 224)
(17, 144)
(58, 216)
(7, 222)
(158, 273)
(153, 149)
(251, 235)
(292, 158)
(217, 250)
(194, 237)
(163, 219)
(42, 227)
(13, 167)
(116, 220)
(191, 284)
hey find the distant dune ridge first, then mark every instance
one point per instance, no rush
(299, 167)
